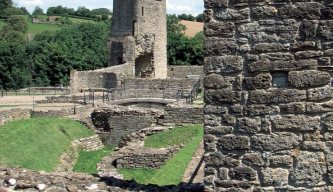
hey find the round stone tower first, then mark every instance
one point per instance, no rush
(139, 36)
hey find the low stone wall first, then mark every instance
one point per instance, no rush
(119, 121)
(60, 112)
(135, 157)
(182, 114)
(63, 99)
(7, 115)
(107, 78)
(93, 143)
(175, 71)
(178, 84)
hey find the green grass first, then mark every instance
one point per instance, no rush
(173, 171)
(38, 143)
(173, 137)
(88, 160)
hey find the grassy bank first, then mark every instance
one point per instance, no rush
(88, 160)
(173, 171)
(38, 143)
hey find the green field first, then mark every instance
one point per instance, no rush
(35, 28)
(173, 171)
(38, 143)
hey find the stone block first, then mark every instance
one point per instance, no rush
(293, 108)
(280, 161)
(295, 123)
(313, 146)
(302, 10)
(216, 3)
(215, 46)
(217, 159)
(308, 30)
(267, 66)
(322, 93)
(319, 107)
(308, 54)
(263, 12)
(224, 173)
(213, 109)
(223, 64)
(275, 142)
(253, 159)
(219, 130)
(215, 81)
(310, 169)
(248, 125)
(225, 29)
(243, 173)
(325, 29)
(218, 97)
(233, 142)
(327, 121)
(309, 78)
(258, 110)
(270, 47)
(232, 14)
(277, 56)
(261, 81)
(276, 96)
(274, 177)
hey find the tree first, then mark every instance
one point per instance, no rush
(16, 23)
(24, 11)
(101, 11)
(199, 18)
(5, 4)
(38, 11)
(83, 12)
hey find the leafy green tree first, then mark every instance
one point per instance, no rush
(16, 23)
(83, 12)
(38, 11)
(101, 11)
(199, 18)
(5, 4)
(24, 11)
(181, 49)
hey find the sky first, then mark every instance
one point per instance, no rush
(193, 7)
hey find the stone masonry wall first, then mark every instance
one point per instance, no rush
(269, 109)
(182, 114)
(7, 115)
(175, 71)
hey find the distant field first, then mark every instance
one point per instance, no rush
(192, 27)
(35, 28)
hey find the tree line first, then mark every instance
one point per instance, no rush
(50, 56)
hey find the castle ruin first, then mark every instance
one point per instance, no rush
(139, 37)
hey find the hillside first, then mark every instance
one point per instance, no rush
(192, 27)
(35, 28)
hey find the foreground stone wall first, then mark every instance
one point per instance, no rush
(182, 114)
(268, 114)
(7, 115)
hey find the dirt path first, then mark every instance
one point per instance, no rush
(194, 173)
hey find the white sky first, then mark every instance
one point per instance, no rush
(193, 7)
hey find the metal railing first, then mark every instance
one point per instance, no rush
(193, 94)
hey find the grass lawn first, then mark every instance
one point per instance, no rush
(88, 160)
(173, 171)
(38, 143)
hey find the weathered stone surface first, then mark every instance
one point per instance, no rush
(248, 125)
(302, 10)
(277, 56)
(219, 129)
(253, 159)
(232, 14)
(308, 30)
(213, 109)
(321, 93)
(257, 110)
(216, 3)
(327, 121)
(293, 108)
(319, 107)
(224, 174)
(215, 81)
(311, 78)
(310, 169)
(217, 97)
(243, 173)
(325, 30)
(267, 66)
(219, 46)
(270, 47)
(264, 12)
(275, 142)
(233, 142)
(295, 123)
(217, 159)
(274, 177)
(308, 54)
(225, 29)
(261, 81)
(224, 64)
(313, 146)
(280, 161)
(276, 96)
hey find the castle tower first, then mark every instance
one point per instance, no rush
(139, 37)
